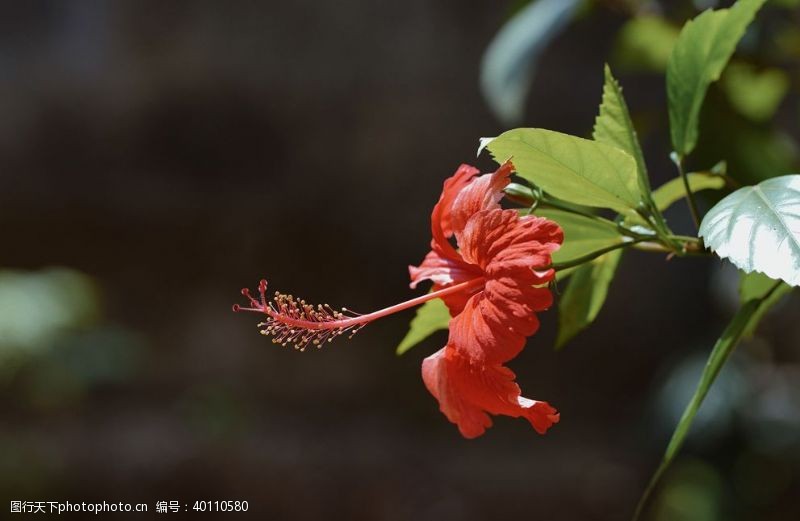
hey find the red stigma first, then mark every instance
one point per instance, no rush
(293, 321)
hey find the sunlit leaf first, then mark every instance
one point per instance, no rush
(483, 143)
(757, 228)
(582, 235)
(430, 318)
(589, 283)
(673, 190)
(509, 63)
(577, 170)
(613, 126)
(703, 49)
(585, 295)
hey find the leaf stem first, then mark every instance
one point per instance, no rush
(662, 239)
(719, 355)
(550, 203)
(678, 160)
(652, 246)
(595, 254)
(527, 197)
(689, 245)
(720, 172)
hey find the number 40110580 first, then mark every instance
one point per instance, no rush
(221, 506)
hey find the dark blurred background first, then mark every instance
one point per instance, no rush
(155, 157)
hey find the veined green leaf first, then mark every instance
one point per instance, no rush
(585, 295)
(673, 190)
(613, 126)
(589, 283)
(745, 318)
(703, 49)
(577, 170)
(582, 235)
(430, 318)
(755, 286)
(757, 228)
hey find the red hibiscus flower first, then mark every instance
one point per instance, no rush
(509, 255)
(493, 285)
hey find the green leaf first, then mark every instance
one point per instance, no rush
(509, 63)
(757, 228)
(703, 49)
(745, 318)
(672, 191)
(430, 318)
(582, 235)
(756, 93)
(585, 295)
(577, 170)
(755, 286)
(613, 126)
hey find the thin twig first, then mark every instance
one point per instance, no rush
(678, 160)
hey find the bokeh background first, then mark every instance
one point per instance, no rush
(155, 157)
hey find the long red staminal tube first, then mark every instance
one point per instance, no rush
(293, 321)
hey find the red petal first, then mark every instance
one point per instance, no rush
(483, 193)
(504, 244)
(468, 393)
(441, 226)
(455, 303)
(494, 324)
(443, 272)
(443, 265)
(463, 195)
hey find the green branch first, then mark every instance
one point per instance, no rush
(678, 160)
(593, 255)
(719, 355)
